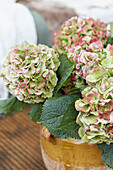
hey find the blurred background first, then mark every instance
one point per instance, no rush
(37, 20)
(94, 8)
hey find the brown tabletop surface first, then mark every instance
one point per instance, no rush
(20, 143)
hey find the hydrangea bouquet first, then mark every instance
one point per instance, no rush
(70, 85)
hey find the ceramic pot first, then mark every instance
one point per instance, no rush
(69, 154)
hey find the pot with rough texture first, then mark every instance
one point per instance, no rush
(69, 154)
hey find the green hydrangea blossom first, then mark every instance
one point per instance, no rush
(96, 112)
(29, 72)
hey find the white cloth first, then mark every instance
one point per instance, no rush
(16, 26)
(102, 9)
(105, 14)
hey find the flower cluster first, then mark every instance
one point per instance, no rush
(79, 31)
(29, 72)
(96, 113)
(96, 108)
(89, 65)
(81, 40)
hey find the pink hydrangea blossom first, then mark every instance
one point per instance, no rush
(29, 72)
(91, 64)
(96, 112)
(79, 31)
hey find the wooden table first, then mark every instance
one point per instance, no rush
(20, 143)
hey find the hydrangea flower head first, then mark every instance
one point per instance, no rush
(90, 65)
(29, 72)
(79, 31)
(96, 112)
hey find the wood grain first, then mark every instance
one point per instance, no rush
(20, 143)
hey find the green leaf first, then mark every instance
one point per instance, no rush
(68, 123)
(64, 71)
(11, 105)
(107, 155)
(111, 29)
(109, 41)
(35, 112)
(78, 89)
(18, 105)
(2, 115)
(56, 94)
(6, 106)
(53, 111)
